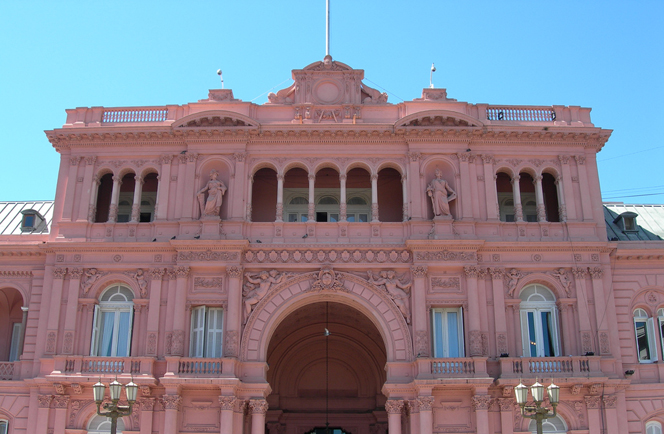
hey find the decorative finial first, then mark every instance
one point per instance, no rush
(433, 69)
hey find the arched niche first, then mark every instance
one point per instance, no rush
(449, 175)
(224, 168)
(307, 288)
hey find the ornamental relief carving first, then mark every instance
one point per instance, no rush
(445, 285)
(326, 256)
(446, 255)
(207, 283)
(396, 287)
(207, 255)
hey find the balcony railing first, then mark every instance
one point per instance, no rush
(6, 371)
(520, 114)
(463, 367)
(458, 367)
(550, 366)
(123, 116)
(195, 366)
(73, 365)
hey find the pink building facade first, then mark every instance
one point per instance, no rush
(330, 257)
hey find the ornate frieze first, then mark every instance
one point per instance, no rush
(446, 255)
(207, 255)
(442, 284)
(209, 283)
(15, 274)
(327, 256)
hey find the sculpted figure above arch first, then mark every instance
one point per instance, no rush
(215, 190)
(395, 287)
(256, 286)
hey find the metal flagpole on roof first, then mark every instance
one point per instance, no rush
(327, 27)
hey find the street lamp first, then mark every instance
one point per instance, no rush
(537, 412)
(114, 410)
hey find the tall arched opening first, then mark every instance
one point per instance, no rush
(317, 377)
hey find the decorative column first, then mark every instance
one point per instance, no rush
(516, 193)
(466, 205)
(426, 414)
(234, 312)
(497, 275)
(227, 404)
(115, 197)
(312, 205)
(490, 188)
(250, 184)
(172, 404)
(592, 406)
(414, 410)
(506, 415)
(568, 191)
(342, 201)
(61, 402)
(566, 323)
(70, 313)
(189, 186)
(474, 332)
(585, 330)
(92, 206)
(562, 208)
(89, 191)
(417, 207)
(404, 193)
(258, 409)
(179, 190)
(156, 274)
(420, 315)
(43, 413)
(238, 415)
(604, 311)
(54, 311)
(163, 188)
(136, 206)
(481, 405)
(147, 408)
(393, 408)
(235, 203)
(68, 207)
(586, 202)
(177, 341)
(280, 198)
(374, 197)
(610, 404)
(539, 198)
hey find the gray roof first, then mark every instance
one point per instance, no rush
(650, 221)
(11, 217)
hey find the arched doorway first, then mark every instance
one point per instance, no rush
(318, 377)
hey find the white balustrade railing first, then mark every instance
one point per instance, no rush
(137, 115)
(452, 367)
(195, 366)
(551, 365)
(520, 114)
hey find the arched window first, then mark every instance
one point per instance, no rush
(112, 323)
(4, 425)
(539, 322)
(555, 425)
(644, 329)
(505, 197)
(102, 425)
(653, 427)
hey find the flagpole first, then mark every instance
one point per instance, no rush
(327, 28)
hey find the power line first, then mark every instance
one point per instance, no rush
(627, 155)
(634, 195)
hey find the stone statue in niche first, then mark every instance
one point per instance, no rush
(441, 195)
(256, 286)
(395, 288)
(215, 190)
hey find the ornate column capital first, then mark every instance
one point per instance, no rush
(61, 401)
(44, 401)
(580, 272)
(280, 177)
(234, 271)
(59, 273)
(172, 402)
(258, 406)
(227, 402)
(374, 177)
(342, 177)
(413, 406)
(610, 401)
(506, 404)
(311, 177)
(75, 273)
(182, 272)
(419, 270)
(146, 404)
(394, 406)
(592, 401)
(481, 402)
(596, 272)
(496, 273)
(157, 273)
(425, 402)
(471, 271)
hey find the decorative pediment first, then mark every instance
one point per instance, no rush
(328, 83)
(215, 118)
(442, 118)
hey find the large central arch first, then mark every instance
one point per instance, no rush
(333, 286)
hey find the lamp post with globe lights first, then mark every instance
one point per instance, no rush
(114, 409)
(537, 412)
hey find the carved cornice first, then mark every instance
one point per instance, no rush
(15, 274)
(321, 256)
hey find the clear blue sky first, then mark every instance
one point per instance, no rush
(607, 55)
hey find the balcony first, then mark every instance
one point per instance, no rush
(549, 367)
(97, 366)
(452, 368)
(197, 367)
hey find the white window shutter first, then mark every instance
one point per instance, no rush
(462, 346)
(94, 343)
(652, 343)
(16, 337)
(214, 332)
(197, 339)
(525, 338)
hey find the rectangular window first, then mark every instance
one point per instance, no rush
(16, 338)
(292, 217)
(447, 332)
(3, 427)
(111, 331)
(206, 336)
(645, 339)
